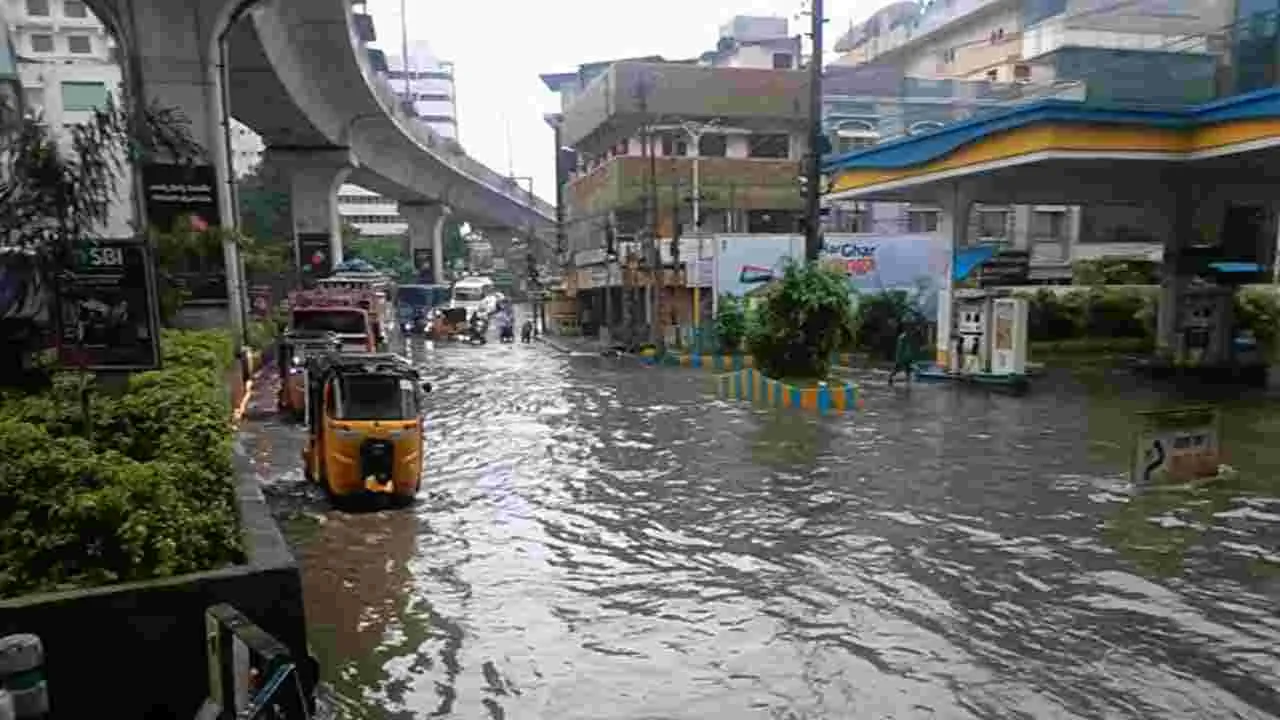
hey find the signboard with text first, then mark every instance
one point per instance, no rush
(315, 259)
(174, 191)
(107, 318)
(1179, 445)
(424, 265)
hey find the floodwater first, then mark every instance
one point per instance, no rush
(601, 541)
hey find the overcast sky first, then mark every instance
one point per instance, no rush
(500, 48)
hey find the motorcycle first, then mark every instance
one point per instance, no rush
(478, 330)
(507, 334)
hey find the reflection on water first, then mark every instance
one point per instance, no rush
(607, 541)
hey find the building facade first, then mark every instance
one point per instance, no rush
(957, 58)
(426, 88)
(370, 213)
(68, 67)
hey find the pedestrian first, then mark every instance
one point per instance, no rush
(903, 354)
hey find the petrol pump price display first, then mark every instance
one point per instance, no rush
(107, 307)
(1178, 445)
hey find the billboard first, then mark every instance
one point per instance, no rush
(873, 263)
(314, 259)
(107, 317)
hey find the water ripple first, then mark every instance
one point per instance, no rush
(603, 541)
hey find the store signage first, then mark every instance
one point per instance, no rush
(1007, 267)
(1178, 445)
(173, 191)
(107, 318)
(315, 259)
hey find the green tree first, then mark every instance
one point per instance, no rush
(801, 321)
(54, 193)
(455, 245)
(730, 323)
(264, 207)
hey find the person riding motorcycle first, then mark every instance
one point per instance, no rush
(478, 326)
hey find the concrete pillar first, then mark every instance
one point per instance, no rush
(426, 230)
(955, 208)
(171, 59)
(313, 177)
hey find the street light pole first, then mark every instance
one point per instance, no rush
(813, 236)
(695, 132)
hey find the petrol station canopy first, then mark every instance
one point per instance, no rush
(1066, 153)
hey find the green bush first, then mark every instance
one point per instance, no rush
(1100, 312)
(1258, 311)
(145, 492)
(731, 323)
(878, 319)
(802, 320)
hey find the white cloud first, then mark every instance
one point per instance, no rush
(500, 48)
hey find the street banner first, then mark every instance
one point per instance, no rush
(315, 258)
(424, 265)
(173, 191)
(1178, 445)
(107, 314)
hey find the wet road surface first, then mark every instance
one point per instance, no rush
(602, 541)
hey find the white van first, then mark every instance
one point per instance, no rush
(475, 293)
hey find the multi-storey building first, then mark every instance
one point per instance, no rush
(426, 88)
(370, 213)
(737, 113)
(246, 149)
(68, 67)
(994, 52)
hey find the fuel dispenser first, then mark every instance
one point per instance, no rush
(991, 334)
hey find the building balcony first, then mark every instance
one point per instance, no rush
(626, 93)
(725, 184)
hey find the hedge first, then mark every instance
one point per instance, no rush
(145, 491)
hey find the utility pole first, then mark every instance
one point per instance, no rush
(695, 132)
(654, 248)
(676, 229)
(812, 211)
(404, 47)
(647, 196)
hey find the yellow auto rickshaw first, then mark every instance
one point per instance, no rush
(292, 353)
(364, 426)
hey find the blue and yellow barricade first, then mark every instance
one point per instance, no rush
(751, 384)
(705, 361)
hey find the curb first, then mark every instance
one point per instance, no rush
(825, 399)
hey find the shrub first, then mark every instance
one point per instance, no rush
(146, 494)
(802, 320)
(1258, 311)
(731, 323)
(878, 319)
(1100, 312)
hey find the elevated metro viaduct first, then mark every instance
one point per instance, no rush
(297, 73)
(1191, 165)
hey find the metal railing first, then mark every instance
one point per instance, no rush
(445, 149)
(251, 674)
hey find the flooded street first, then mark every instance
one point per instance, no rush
(601, 541)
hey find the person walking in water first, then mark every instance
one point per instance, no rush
(903, 354)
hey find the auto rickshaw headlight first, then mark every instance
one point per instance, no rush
(298, 361)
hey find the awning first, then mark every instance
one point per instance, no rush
(1236, 267)
(966, 260)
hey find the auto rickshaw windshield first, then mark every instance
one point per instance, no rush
(377, 397)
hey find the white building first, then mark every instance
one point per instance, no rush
(370, 213)
(68, 66)
(429, 93)
(246, 149)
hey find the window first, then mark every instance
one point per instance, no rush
(35, 99)
(949, 55)
(673, 145)
(713, 145)
(74, 9)
(993, 223)
(922, 221)
(38, 8)
(83, 95)
(1022, 73)
(783, 61)
(993, 75)
(41, 43)
(775, 146)
(622, 148)
(997, 35)
(79, 44)
(1048, 226)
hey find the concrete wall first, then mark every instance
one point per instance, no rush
(138, 650)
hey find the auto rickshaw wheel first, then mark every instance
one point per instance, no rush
(403, 501)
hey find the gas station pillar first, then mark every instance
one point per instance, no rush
(953, 224)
